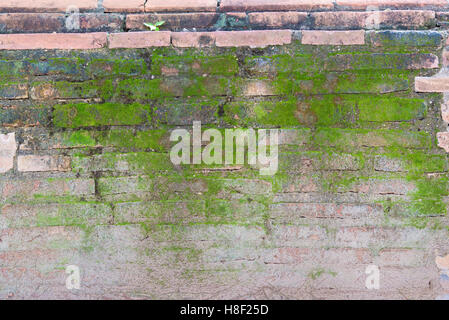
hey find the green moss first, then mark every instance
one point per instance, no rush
(89, 115)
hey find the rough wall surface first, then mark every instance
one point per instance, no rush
(357, 89)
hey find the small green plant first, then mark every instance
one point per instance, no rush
(154, 26)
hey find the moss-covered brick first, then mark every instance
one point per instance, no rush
(345, 82)
(56, 214)
(156, 140)
(309, 63)
(90, 115)
(41, 90)
(225, 65)
(351, 109)
(149, 163)
(13, 90)
(67, 67)
(376, 61)
(282, 63)
(22, 115)
(405, 38)
(356, 138)
(115, 67)
(261, 113)
(185, 111)
(13, 69)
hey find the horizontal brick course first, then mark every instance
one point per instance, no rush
(252, 39)
(33, 163)
(341, 20)
(333, 37)
(124, 6)
(173, 21)
(53, 41)
(270, 5)
(45, 5)
(176, 5)
(364, 4)
(193, 39)
(139, 39)
(277, 19)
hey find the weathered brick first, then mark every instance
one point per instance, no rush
(272, 5)
(258, 88)
(253, 39)
(175, 112)
(443, 140)
(405, 38)
(350, 138)
(139, 39)
(61, 214)
(193, 39)
(14, 91)
(173, 21)
(19, 115)
(175, 5)
(364, 4)
(27, 188)
(288, 212)
(8, 149)
(57, 22)
(432, 84)
(333, 37)
(45, 5)
(47, 90)
(121, 6)
(397, 19)
(382, 163)
(43, 238)
(277, 19)
(34, 163)
(94, 40)
(31, 22)
(90, 22)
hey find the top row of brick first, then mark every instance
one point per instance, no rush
(213, 5)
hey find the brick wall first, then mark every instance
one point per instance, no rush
(357, 89)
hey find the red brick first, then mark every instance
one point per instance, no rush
(333, 37)
(124, 6)
(173, 21)
(45, 5)
(364, 4)
(139, 39)
(193, 39)
(176, 5)
(253, 39)
(34, 163)
(274, 5)
(372, 19)
(55, 22)
(8, 148)
(32, 22)
(101, 22)
(93, 40)
(443, 140)
(277, 19)
(432, 84)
